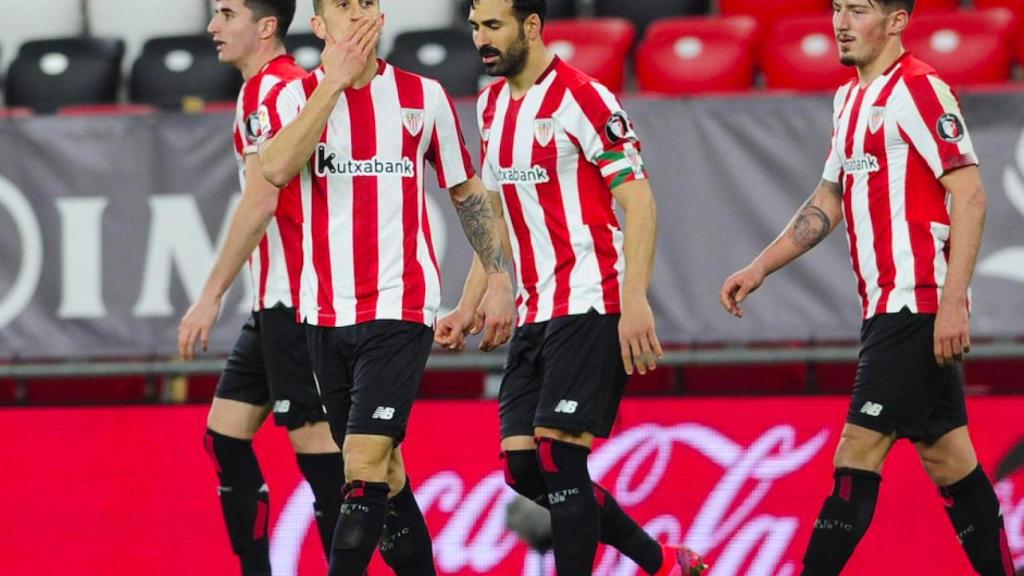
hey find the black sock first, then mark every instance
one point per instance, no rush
(360, 524)
(522, 474)
(972, 506)
(575, 515)
(620, 531)
(244, 500)
(406, 545)
(326, 476)
(842, 522)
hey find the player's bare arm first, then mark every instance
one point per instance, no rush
(482, 227)
(637, 336)
(815, 220)
(248, 225)
(345, 60)
(967, 222)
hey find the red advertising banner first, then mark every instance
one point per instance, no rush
(130, 491)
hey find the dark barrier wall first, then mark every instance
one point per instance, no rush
(108, 225)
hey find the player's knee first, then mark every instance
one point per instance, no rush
(367, 461)
(522, 474)
(579, 438)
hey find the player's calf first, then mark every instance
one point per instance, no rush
(973, 508)
(842, 522)
(244, 498)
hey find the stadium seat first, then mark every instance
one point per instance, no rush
(557, 9)
(39, 19)
(306, 48)
(762, 379)
(48, 74)
(964, 47)
(800, 53)
(933, 5)
(597, 46)
(446, 54)
(692, 55)
(1017, 7)
(643, 12)
(767, 13)
(174, 68)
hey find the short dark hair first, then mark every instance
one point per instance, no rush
(318, 6)
(283, 10)
(523, 8)
(891, 5)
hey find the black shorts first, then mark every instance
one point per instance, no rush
(565, 374)
(369, 374)
(899, 386)
(270, 362)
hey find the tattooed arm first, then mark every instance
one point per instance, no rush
(822, 212)
(483, 229)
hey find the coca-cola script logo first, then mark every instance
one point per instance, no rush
(1011, 500)
(633, 465)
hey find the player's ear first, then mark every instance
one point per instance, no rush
(267, 27)
(898, 21)
(319, 27)
(532, 26)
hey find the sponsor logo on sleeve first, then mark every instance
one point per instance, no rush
(618, 128)
(950, 128)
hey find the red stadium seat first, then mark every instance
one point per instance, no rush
(691, 55)
(597, 46)
(931, 5)
(964, 47)
(767, 12)
(107, 110)
(801, 54)
(1017, 7)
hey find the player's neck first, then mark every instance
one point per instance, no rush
(369, 72)
(252, 65)
(885, 59)
(536, 64)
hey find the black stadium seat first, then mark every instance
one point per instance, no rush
(643, 12)
(446, 54)
(49, 74)
(557, 9)
(306, 48)
(174, 68)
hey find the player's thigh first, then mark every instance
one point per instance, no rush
(862, 448)
(241, 399)
(293, 387)
(313, 439)
(236, 419)
(950, 458)
(367, 457)
(388, 364)
(520, 387)
(583, 378)
(330, 354)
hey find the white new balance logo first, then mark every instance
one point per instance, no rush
(566, 407)
(871, 409)
(383, 413)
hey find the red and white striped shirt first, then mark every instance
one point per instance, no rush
(275, 264)
(554, 155)
(892, 141)
(366, 235)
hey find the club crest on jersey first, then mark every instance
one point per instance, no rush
(544, 131)
(412, 118)
(876, 118)
(618, 128)
(950, 128)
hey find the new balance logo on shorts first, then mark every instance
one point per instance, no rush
(282, 406)
(871, 409)
(566, 407)
(383, 413)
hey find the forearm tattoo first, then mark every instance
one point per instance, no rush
(479, 224)
(811, 227)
